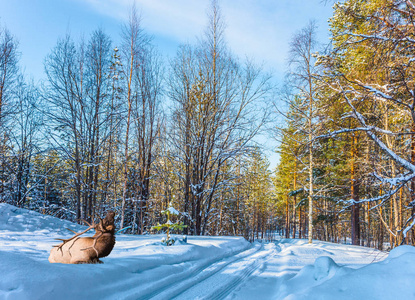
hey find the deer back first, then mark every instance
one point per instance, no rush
(75, 251)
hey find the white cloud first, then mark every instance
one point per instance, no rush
(258, 29)
(181, 20)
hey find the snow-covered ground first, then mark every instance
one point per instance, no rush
(140, 267)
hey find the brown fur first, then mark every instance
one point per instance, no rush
(87, 249)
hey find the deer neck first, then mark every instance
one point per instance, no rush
(105, 244)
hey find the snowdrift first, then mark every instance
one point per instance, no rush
(391, 279)
(139, 266)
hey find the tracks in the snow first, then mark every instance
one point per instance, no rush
(214, 280)
(226, 288)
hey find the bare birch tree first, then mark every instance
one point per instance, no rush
(147, 115)
(8, 74)
(24, 136)
(77, 95)
(222, 98)
(303, 46)
(134, 41)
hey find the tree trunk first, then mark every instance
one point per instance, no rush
(300, 223)
(295, 202)
(287, 219)
(310, 192)
(355, 209)
(127, 134)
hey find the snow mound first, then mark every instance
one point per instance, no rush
(390, 279)
(324, 268)
(401, 250)
(19, 219)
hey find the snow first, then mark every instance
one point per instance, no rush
(299, 268)
(140, 267)
(389, 279)
(172, 211)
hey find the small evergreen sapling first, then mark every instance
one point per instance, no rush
(169, 225)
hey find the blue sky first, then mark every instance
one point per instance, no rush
(258, 29)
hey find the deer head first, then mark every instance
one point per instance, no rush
(76, 249)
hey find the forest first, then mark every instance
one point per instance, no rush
(120, 127)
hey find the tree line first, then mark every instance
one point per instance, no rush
(118, 127)
(348, 145)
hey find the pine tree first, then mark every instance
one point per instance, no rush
(169, 225)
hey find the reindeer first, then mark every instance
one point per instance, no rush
(85, 250)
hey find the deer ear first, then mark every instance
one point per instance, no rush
(110, 227)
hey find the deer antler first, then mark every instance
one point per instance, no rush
(101, 232)
(64, 241)
(71, 230)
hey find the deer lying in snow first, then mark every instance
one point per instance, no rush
(81, 250)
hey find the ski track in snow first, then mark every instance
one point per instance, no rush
(240, 272)
(271, 278)
(200, 274)
(176, 283)
(205, 268)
